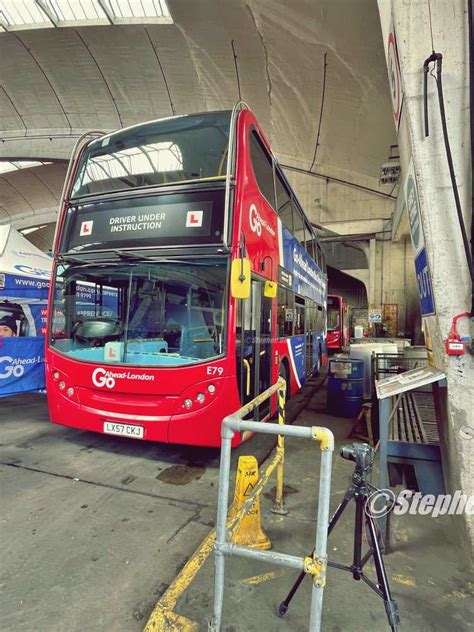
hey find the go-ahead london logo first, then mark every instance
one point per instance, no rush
(100, 378)
(256, 222)
(103, 378)
(15, 367)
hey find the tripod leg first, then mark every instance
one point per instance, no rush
(342, 505)
(357, 554)
(391, 607)
(283, 607)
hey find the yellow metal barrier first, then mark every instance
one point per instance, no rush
(226, 544)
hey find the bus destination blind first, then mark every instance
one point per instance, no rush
(143, 222)
(166, 220)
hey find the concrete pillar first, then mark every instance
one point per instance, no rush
(392, 280)
(418, 32)
(372, 270)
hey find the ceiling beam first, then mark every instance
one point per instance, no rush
(108, 14)
(345, 183)
(47, 12)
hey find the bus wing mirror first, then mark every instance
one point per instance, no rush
(270, 289)
(240, 278)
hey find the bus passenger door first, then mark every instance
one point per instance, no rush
(265, 350)
(309, 337)
(254, 346)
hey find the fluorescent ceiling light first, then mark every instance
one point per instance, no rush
(6, 166)
(27, 231)
(34, 14)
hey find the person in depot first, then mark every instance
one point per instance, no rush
(8, 327)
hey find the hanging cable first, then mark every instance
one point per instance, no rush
(232, 43)
(321, 111)
(471, 112)
(437, 58)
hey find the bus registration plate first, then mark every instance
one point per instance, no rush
(126, 430)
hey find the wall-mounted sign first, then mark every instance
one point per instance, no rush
(425, 287)
(375, 315)
(394, 75)
(423, 275)
(389, 172)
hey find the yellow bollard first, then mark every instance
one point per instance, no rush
(249, 531)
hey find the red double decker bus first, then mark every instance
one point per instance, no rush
(186, 278)
(338, 332)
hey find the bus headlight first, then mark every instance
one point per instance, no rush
(70, 391)
(200, 395)
(62, 385)
(56, 375)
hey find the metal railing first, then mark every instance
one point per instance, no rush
(315, 564)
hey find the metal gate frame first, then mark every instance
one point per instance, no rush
(316, 564)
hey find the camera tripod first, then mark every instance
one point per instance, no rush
(360, 491)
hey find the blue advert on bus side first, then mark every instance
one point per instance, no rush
(307, 279)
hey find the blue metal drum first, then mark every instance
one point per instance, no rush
(345, 394)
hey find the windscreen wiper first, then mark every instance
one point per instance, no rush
(70, 259)
(132, 256)
(129, 256)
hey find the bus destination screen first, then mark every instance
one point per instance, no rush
(165, 220)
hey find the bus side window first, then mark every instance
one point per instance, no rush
(299, 315)
(320, 259)
(309, 315)
(320, 318)
(285, 313)
(262, 167)
(283, 200)
(298, 226)
(311, 245)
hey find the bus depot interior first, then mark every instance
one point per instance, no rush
(219, 222)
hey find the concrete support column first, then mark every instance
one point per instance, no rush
(372, 272)
(421, 27)
(393, 284)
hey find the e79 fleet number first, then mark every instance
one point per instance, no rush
(215, 370)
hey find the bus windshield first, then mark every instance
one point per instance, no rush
(144, 314)
(178, 149)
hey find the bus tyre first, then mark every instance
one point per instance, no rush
(285, 374)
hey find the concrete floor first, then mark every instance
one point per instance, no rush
(94, 529)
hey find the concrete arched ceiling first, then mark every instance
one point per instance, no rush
(312, 70)
(31, 196)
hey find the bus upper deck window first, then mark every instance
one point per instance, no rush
(262, 168)
(283, 200)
